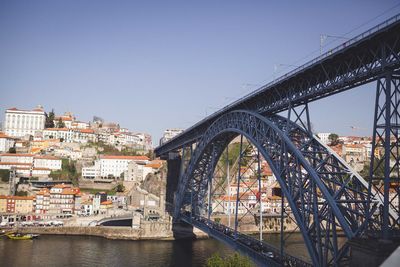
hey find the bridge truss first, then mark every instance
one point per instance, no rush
(328, 201)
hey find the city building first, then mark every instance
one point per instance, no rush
(29, 164)
(115, 166)
(19, 123)
(6, 142)
(42, 202)
(92, 172)
(48, 162)
(70, 135)
(169, 134)
(61, 200)
(355, 155)
(324, 137)
(16, 204)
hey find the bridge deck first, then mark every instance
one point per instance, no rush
(360, 60)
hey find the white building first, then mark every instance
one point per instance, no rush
(6, 142)
(27, 164)
(169, 134)
(92, 172)
(324, 137)
(19, 123)
(114, 166)
(70, 135)
(49, 162)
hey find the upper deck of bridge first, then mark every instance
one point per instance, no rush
(354, 62)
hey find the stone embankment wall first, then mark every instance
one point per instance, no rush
(147, 230)
(108, 232)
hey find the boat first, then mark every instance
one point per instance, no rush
(17, 236)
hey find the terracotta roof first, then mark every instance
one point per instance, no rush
(108, 202)
(34, 169)
(3, 135)
(16, 155)
(124, 157)
(47, 157)
(154, 165)
(15, 163)
(44, 191)
(86, 131)
(57, 129)
(18, 197)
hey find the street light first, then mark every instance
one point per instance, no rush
(323, 38)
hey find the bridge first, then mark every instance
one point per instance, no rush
(217, 167)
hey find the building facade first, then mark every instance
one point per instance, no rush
(19, 123)
(6, 142)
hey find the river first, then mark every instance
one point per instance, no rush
(52, 250)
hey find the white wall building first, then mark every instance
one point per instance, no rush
(92, 172)
(6, 142)
(324, 137)
(114, 166)
(70, 135)
(49, 162)
(27, 164)
(19, 123)
(169, 134)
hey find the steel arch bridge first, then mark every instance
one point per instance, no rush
(330, 203)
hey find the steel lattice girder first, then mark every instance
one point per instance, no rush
(322, 192)
(387, 139)
(363, 61)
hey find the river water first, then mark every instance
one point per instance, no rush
(96, 251)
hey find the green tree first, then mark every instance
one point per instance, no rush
(5, 175)
(49, 119)
(60, 123)
(12, 150)
(67, 172)
(234, 260)
(333, 139)
(379, 170)
(120, 188)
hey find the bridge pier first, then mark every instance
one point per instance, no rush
(371, 252)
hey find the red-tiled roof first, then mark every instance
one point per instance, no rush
(124, 157)
(15, 163)
(15, 155)
(47, 157)
(18, 197)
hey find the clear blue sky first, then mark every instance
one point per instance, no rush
(152, 65)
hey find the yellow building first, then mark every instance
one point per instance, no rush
(23, 204)
(16, 204)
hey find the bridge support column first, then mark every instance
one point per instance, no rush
(385, 156)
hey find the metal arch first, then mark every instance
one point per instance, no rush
(259, 131)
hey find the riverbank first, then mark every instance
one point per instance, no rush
(151, 232)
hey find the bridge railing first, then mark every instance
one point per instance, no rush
(315, 60)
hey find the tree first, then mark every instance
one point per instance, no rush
(60, 123)
(49, 119)
(5, 175)
(12, 150)
(120, 188)
(333, 139)
(234, 260)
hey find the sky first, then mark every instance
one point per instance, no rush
(153, 65)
